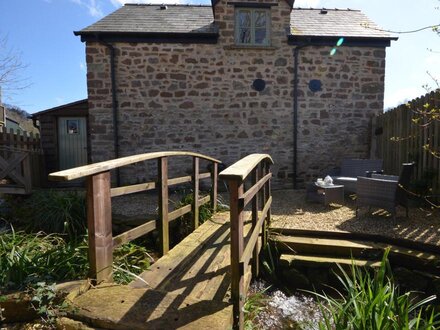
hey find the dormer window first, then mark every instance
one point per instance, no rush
(252, 26)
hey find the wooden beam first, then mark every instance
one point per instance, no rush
(125, 190)
(195, 203)
(256, 227)
(241, 169)
(99, 223)
(237, 285)
(82, 171)
(134, 233)
(251, 192)
(163, 225)
(214, 186)
(179, 212)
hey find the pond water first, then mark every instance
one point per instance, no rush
(279, 311)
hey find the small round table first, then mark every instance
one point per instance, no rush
(325, 193)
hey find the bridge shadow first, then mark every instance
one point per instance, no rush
(195, 287)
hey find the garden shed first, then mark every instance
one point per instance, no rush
(235, 78)
(64, 135)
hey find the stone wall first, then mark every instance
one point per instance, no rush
(198, 97)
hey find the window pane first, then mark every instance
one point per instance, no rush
(260, 19)
(244, 18)
(244, 36)
(260, 36)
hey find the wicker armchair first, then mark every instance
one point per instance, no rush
(352, 168)
(384, 191)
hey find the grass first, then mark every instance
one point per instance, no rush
(28, 258)
(375, 302)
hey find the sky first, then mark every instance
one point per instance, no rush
(40, 34)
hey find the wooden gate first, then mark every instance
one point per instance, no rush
(15, 171)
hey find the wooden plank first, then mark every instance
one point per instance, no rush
(256, 228)
(135, 188)
(179, 212)
(204, 200)
(237, 285)
(125, 190)
(163, 225)
(241, 169)
(86, 170)
(251, 192)
(301, 260)
(134, 233)
(99, 223)
(27, 174)
(253, 240)
(182, 255)
(214, 186)
(195, 187)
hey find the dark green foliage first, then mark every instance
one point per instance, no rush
(30, 258)
(49, 211)
(375, 302)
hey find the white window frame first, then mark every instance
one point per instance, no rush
(252, 27)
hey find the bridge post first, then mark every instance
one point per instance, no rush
(214, 186)
(237, 281)
(163, 225)
(256, 250)
(99, 223)
(195, 203)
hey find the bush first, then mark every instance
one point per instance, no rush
(49, 211)
(375, 302)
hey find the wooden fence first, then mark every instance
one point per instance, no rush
(21, 161)
(245, 248)
(404, 134)
(99, 194)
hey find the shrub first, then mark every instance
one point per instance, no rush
(49, 211)
(375, 302)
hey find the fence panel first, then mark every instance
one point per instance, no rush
(404, 134)
(19, 141)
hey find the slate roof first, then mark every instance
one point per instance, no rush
(136, 18)
(334, 23)
(191, 19)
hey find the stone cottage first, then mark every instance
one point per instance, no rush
(235, 78)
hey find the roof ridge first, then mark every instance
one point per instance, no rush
(323, 8)
(166, 4)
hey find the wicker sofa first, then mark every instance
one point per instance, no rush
(385, 191)
(352, 168)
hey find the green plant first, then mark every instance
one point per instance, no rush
(31, 258)
(254, 304)
(46, 303)
(186, 224)
(49, 211)
(130, 260)
(375, 302)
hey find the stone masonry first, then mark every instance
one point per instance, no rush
(199, 97)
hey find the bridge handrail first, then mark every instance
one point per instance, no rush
(86, 170)
(258, 165)
(99, 194)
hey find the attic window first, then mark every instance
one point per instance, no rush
(252, 26)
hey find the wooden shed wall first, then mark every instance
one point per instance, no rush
(49, 132)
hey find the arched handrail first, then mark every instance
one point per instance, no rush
(100, 192)
(242, 254)
(86, 170)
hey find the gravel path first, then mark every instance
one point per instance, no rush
(291, 210)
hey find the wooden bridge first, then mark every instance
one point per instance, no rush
(200, 283)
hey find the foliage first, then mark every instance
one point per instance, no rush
(49, 211)
(130, 260)
(46, 302)
(186, 221)
(31, 258)
(255, 303)
(375, 302)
